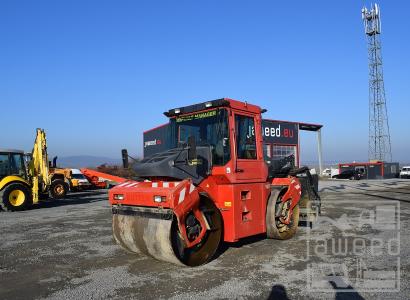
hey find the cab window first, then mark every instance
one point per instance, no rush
(12, 164)
(17, 166)
(245, 137)
(4, 165)
(78, 176)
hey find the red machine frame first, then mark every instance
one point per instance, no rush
(238, 189)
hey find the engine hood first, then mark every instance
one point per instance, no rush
(174, 164)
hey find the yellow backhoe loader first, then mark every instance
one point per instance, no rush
(25, 179)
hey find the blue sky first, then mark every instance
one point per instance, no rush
(96, 74)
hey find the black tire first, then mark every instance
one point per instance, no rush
(15, 197)
(272, 229)
(58, 189)
(203, 252)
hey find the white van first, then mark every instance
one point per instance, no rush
(78, 180)
(326, 172)
(405, 172)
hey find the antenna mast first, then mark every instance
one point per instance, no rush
(379, 132)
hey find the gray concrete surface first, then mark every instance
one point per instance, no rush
(64, 250)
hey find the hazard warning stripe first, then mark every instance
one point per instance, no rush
(160, 184)
(131, 185)
(181, 195)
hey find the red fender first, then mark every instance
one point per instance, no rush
(293, 193)
(187, 199)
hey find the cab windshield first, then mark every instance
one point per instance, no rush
(210, 128)
(78, 176)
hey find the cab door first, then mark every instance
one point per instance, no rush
(250, 175)
(250, 166)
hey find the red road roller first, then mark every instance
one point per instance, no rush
(214, 185)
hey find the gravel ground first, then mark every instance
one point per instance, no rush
(64, 250)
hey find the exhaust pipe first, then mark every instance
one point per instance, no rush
(124, 154)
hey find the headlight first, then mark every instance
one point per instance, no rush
(118, 197)
(159, 199)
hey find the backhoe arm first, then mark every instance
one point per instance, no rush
(38, 167)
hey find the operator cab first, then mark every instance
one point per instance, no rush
(222, 137)
(235, 136)
(12, 163)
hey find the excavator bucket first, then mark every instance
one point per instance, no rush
(172, 222)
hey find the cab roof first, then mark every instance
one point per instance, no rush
(222, 102)
(11, 151)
